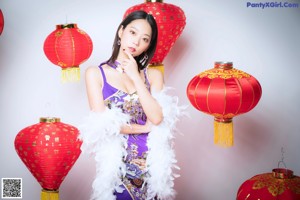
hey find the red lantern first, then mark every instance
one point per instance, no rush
(68, 47)
(49, 149)
(1, 21)
(281, 184)
(170, 21)
(224, 92)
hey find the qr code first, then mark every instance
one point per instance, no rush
(11, 188)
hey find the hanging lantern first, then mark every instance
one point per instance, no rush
(281, 184)
(170, 21)
(68, 47)
(49, 149)
(1, 22)
(224, 92)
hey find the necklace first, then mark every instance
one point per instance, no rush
(116, 66)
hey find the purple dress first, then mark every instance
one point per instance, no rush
(136, 143)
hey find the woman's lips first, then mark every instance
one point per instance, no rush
(131, 49)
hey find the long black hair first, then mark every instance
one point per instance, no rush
(150, 51)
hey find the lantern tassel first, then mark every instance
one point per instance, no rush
(70, 74)
(49, 194)
(223, 132)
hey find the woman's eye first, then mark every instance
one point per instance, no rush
(146, 40)
(132, 32)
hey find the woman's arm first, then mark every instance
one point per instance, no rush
(136, 128)
(93, 82)
(150, 106)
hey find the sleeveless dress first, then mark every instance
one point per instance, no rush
(135, 161)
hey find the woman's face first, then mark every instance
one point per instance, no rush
(136, 37)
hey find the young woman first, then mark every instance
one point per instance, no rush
(129, 129)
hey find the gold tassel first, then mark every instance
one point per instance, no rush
(223, 132)
(49, 194)
(159, 66)
(70, 74)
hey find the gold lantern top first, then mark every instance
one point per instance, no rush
(153, 1)
(64, 26)
(49, 119)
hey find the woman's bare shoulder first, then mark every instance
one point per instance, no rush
(93, 73)
(92, 69)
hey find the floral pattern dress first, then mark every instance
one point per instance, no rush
(135, 161)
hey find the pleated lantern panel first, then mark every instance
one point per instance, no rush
(224, 92)
(68, 47)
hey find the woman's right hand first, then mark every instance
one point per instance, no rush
(137, 128)
(130, 67)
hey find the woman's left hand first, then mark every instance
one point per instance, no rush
(130, 66)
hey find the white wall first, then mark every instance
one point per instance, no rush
(262, 42)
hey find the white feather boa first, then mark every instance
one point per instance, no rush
(100, 133)
(161, 159)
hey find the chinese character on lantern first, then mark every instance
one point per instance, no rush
(49, 149)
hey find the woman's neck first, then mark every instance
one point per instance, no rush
(121, 56)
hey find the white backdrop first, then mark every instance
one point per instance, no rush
(262, 42)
